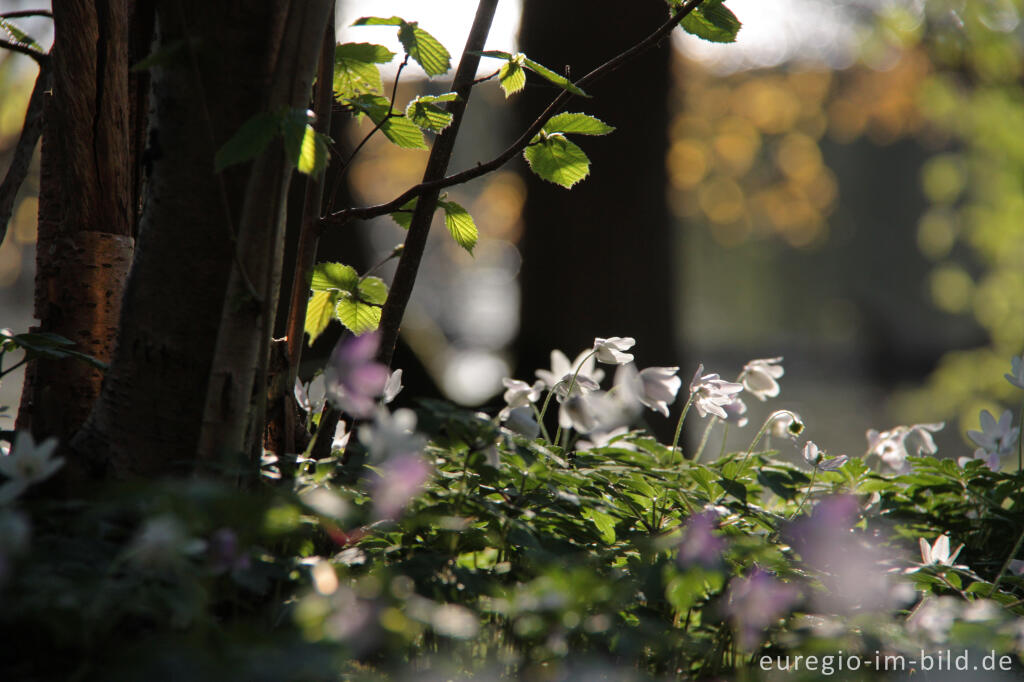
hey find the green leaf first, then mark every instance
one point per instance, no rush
(357, 316)
(551, 76)
(378, 21)
(355, 68)
(403, 216)
(557, 160)
(512, 78)
(373, 290)
(496, 54)
(713, 22)
(314, 154)
(425, 49)
(19, 36)
(396, 128)
(319, 313)
(334, 277)
(460, 224)
(580, 124)
(427, 115)
(249, 141)
(605, 523)
(293, 130)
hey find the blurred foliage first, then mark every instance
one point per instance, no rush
(16, 85)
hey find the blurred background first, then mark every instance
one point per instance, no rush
(844, 187)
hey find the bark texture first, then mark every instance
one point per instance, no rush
(86, 208)
(220, 68)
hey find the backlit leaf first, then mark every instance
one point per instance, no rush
(512, 78)
(551, 76)
(430, 54)
(334, 276)
(249, 141)
(355, 68)
(396, 128)
(426, 114)
(357, 316)
(319, 312)
(460, 224)
(712, 21)
(558, 160)
(373, 290)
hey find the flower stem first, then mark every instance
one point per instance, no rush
(807, 494)
(679, 424)
(1006, 564)
(764, 428)
(540, 421)
(704, 438)
(572, 385)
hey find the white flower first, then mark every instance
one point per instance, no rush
(655, 387)
(27, 464)
(610, 350)
(561, 367)
(760, 377)
(895, 445)
(1016, 376)
(521, 394)
(736, 411)
(163, 543)
(938, 553)
(786, 424)
(391, 434)
(710, 393)
(341, 436)
(393, 386)
(521, 420)
(816, 458)
(995, 438)
(599, 412)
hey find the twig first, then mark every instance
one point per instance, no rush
(427, 186)
(22, 13)
(41, 57)
(23, 151)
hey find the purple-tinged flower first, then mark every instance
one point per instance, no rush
(786, 424)
(223, 552)
(401, 479)
(895, 445)
(655, 387)
(756, 603)
(353, 379)
(610, 350)
(391, 434)
(700, 545)
(736, 413)
(816, 458)
(562, 370)
(760, 377)
(711, 393)
(995, 439)
(1016, 376)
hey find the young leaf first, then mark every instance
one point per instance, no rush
(427, 115)
(580, 124)
(460, 224)
(558, 160)
(551, 76)
(403, 216)
(712, 21)
(396, 127)
(293, 130)
(319, 312)
(357, 316)
(495, 54)
(315, 152)
(334, 276)
(355, 68)
(249, 141)
(20, 37)
(512, 77)
(378, 21)
(373, 290)
(425, 49)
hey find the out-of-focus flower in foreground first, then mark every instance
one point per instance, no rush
(757, 602)
(700, 545)
(27, 464)
(995, 439)
(1016, 375)
(391, 434)
(895, 445)
(353, 379)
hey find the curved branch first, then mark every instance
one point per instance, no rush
(23, 151)
(22, 13)
(367, 212)
(41, 58)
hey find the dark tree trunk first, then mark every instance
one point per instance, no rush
(88, 200)
(149, 415)
(597, 259)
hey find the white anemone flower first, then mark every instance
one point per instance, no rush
(760, 377)
(895, 445)
(816, 458)
(938, 553)
(560, 367)
(711, 393)
(654, 387)
(521, 420)
(521, 394)
(393, 386)
(610, 350)
(1016, 375)
(391, 435)
(27, 464)
(786, 424)
(995, 439)
(736, 412)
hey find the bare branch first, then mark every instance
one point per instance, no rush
(22, 13)
(41, 58)
(30, 133)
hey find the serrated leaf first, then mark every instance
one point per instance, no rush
(423, 112)
(713, 22)
(334, 276)
(430, 54)
(460, 224)
(396, 128)
(552, 77)
(249, 141)
(355, 68)
(293, 130)
(373, 290)
(558, 160)
(579, 124)
(314, 154)
(605, 523)
(512, 78)
(494, 54)
(319, 313)
(403, 216)
(378, 21)
(19, 36)
(357, 316)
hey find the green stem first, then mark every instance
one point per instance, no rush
(764, 428)
(1020, 441)
(725, 437)
(704, 438)
(1006, 564)
(572, 385)
(539, 416)
(807, 494)
(679, 424)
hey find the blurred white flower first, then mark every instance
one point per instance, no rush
(603, 439)
(561, 368)
(610, 350)
(895, 445)
(655, 387)
(710, 393)
(760, 377)
(341, 436)
(736, 413)
(599, 411)
(393, 386)
(28, 463)
(401, 478)
(938, 553)
(786, 424)
(391, 434)
(1016, 375)
(995, 438)
(816, 458)
(520, 394)
(935, 618)
(163, 543)
(353, 378)
(521, 420)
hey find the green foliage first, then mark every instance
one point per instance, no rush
(424, 112)
(711, 20)
(456, 218)
(44, 345)
(249, 141)
(19, 37)
(338, 292)
(396, 127)
(430, 54)
(555, 158)
(513, 79)
(355, 68)
(303, 146)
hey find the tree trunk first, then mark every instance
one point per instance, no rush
(87, 207)
(597, 259)
(219, 70)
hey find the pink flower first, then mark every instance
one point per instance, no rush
(354, 380)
